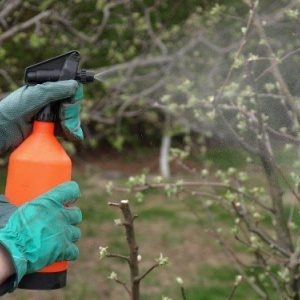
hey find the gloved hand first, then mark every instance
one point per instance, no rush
(18, 109)
(41, 231)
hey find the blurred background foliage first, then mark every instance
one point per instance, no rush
(145, 50)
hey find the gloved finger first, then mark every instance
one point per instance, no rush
(64, 193)
(20, 103)
(49, 92)
(74, 234)
(79, 94)
(71, 252)
(70, 122)
(69, 116)
(73, 215)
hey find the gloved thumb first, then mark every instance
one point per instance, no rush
(63, 194)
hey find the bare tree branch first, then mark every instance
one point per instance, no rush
(7, 10)
(23, 26)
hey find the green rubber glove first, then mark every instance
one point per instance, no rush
(42, 231)
(18, 108)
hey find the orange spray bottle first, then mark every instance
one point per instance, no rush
(40, 163)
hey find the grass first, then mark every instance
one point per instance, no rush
(157, 213)
(96, 209)
(224, 158)
(216, 283)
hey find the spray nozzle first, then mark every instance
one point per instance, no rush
(84, 76)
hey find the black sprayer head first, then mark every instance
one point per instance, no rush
(62, 67)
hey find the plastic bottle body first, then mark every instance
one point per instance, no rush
(39, 164)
